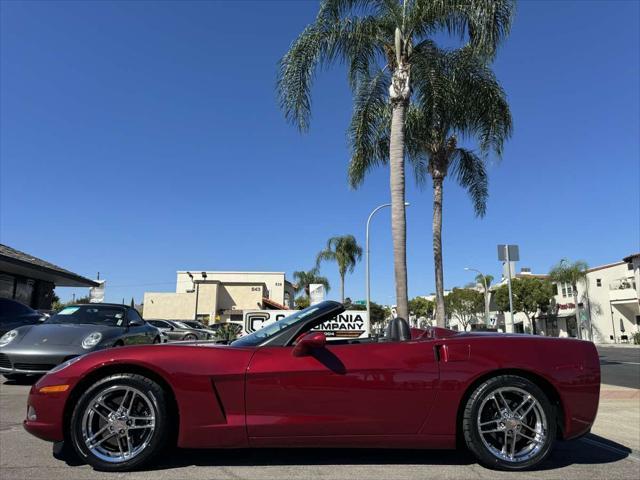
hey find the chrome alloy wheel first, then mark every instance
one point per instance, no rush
(512, 424)
(118, 423)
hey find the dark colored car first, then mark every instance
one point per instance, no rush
(508, 397)
(75, 330)
(14, 314)
(177, 330)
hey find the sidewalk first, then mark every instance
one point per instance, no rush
(618, 417)
(617, 345)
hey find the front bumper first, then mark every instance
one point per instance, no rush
(49, 411)
(34, 363)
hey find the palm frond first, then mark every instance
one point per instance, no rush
(485, 22)
(355, 41)
(470, 172)
(369, 128)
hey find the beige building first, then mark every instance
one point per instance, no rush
(219, 296)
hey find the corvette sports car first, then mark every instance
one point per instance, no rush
(506, 397)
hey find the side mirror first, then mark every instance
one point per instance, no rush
(309, 342)
(136, 323)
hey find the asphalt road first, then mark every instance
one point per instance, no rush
(620, 366)
(23, 456)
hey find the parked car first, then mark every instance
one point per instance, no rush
(209, 329)
(176, 330)
(14, 314)
(75, 330)
(508, 397)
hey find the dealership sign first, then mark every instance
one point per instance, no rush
(349, 324)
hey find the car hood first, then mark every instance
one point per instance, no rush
(60, 333)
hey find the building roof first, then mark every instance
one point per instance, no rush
(20, 263)
(272, 304)
(629, 258)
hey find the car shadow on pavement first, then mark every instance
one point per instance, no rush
(590, 450)
(28, 380)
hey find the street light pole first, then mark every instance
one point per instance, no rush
(366, 248)
(486, 294)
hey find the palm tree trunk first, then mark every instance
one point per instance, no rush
(437, 249)
(342, 288)
(398, 214)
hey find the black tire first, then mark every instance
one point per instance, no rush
(474, 439)
(158, 440)
(190, 337)
(156, 340)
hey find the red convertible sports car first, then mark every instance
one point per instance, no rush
(507, 397)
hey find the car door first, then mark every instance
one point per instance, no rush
(374, 388)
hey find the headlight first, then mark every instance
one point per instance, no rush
(91, 340)
(8, 337)
(71, 361)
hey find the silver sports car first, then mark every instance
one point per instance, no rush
(75, 330)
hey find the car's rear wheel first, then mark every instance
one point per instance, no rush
(120, 423)
(509, 423)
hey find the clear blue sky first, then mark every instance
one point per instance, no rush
(141, 138)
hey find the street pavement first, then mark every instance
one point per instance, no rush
(620, 365)
(611, 451)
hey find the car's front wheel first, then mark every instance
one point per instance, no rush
(120, 423)
(509, 423)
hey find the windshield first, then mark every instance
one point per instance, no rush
(181, 325)
(269, 330)
(194, 324)
(90, 314)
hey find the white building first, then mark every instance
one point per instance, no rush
(219, 296)
(607, 302)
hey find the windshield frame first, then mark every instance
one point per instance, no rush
(306, 318)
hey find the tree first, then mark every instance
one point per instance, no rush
(571, 273)
(345, 251)
(466, 101)
(530, 295)
(303, 279)
(421, 307)
(484, 280)
(465, 305)
(387, 49)
(302, 302)
(378, 313)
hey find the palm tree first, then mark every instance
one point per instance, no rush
(303, 279)
(460, 97)
(346, 252)
(392, 38)
(571, 273)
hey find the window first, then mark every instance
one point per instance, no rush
(134, 316)
(598, 282)
(567, 290)
(159, 324)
